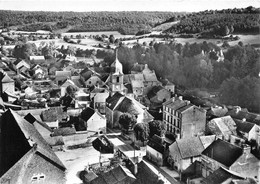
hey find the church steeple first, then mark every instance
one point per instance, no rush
(116, 76)
(116, 66)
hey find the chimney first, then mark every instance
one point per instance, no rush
(246, 149)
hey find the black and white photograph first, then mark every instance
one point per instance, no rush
(129, 91)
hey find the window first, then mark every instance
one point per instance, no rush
(117, 79)
(38, 177)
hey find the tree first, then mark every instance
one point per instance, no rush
(157, 127)
(127, 121)
(142, 131)
(111, 39)
(2, 41)
(70, 90)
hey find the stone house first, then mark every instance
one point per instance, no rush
(94, 121)
(222, 127)
(7, 84)
(118, 104)
(157, 150)
(23, 147)
(98, 97)
(184, 152)
(234, 158)
(183, 118)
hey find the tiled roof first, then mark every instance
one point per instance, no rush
(223, 152)
(118, 175)
(250, 117)
(137, 83)
(223, 125)
(128, 105)
(113, 100)
(244, 126)
(150, 77)
(207, 140)
(6, 79)
(220, 176)
(190, 147)
(87, 113)
(33, 136)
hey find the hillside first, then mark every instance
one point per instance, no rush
(219, 22)
(124, 22)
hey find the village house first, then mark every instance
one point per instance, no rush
(184, 152)
(7, 84)
(157, 150)
(238, 113)
(168, 85)
(94, 121)
(222, 127)
(37, 59)
(234, 158)
(157, 95)
(150, 79)
(23, 147)
(45, 131)
(119, 104)
(21, 65)
(183, 118)
(117, 175)
(222, 175)
(61, 76)
(39, 72)
(82, 99)
(98, 97)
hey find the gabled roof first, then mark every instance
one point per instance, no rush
(189, 147)
(99, 90)
(221, 175)
(153, 92)
(87, 113)
(244, 126)
(32, 119)
(240, 114)
(130, 106)
(37, 58)
(113, 100)
(150, 77)
(223, 152)
(206, 140)
(223, 125)
(117, 175)
(6, 79)
(35, 139)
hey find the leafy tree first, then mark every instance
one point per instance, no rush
(70, 90)
(111, 39)
(157, 127)
(142, 131)
(127, 121)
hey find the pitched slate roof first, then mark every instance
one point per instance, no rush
(34, 137)
(190, 147)
(223, 152)
(153, 92)
(250, 117)
(220, 175)
(87, 113)
(113, 100)
(244, 126)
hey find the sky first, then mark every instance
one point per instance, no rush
(125, 5)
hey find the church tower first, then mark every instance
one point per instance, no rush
(116, 77)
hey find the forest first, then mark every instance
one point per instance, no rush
(124, 22)
(218, 22)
